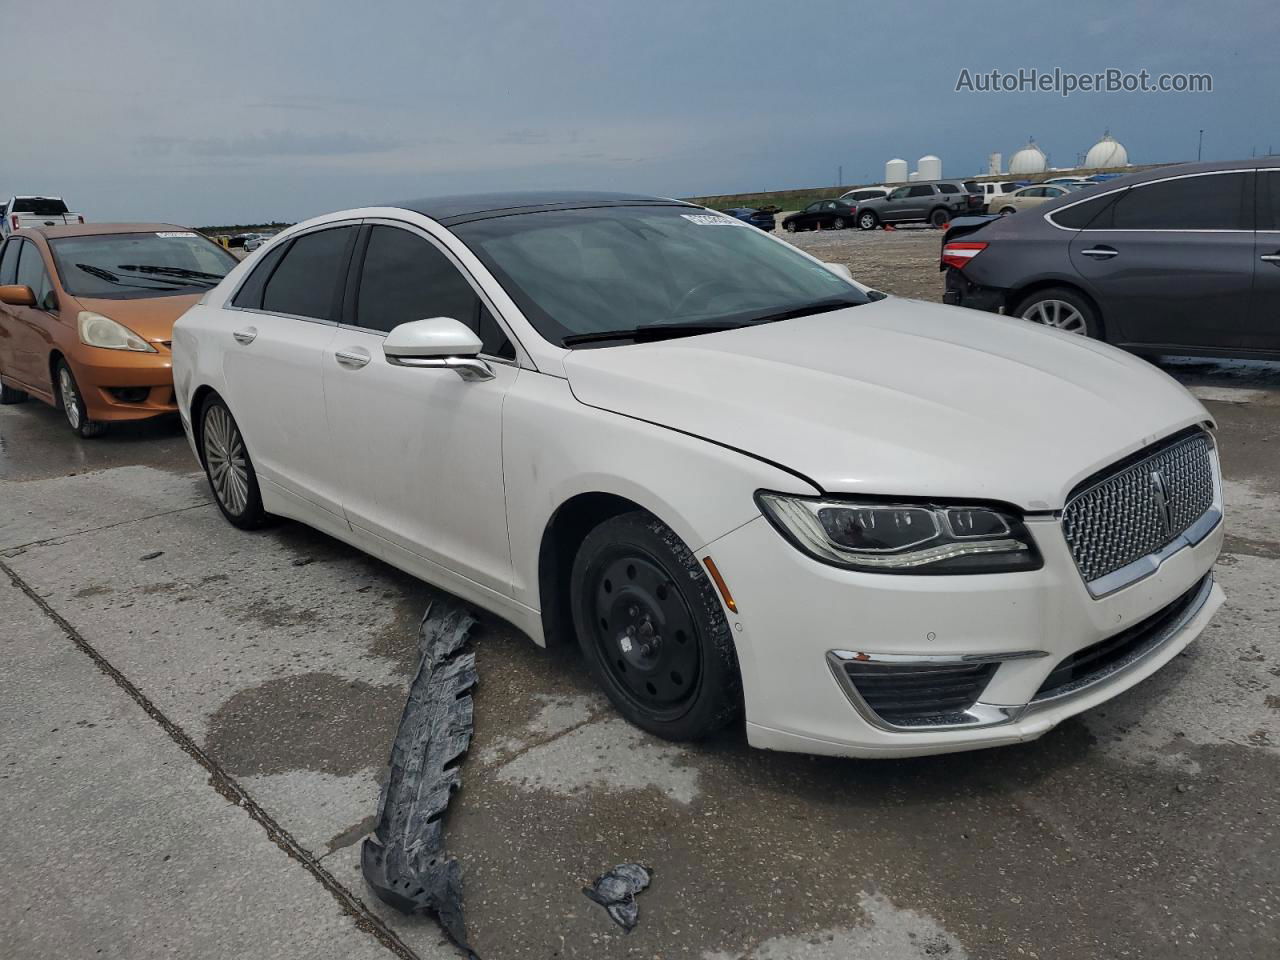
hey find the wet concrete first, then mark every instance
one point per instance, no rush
(1144, 828)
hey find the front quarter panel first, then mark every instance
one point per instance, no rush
(555, 448)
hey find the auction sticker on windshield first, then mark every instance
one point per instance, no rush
(711, 220)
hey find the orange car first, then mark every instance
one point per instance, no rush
(87, 312)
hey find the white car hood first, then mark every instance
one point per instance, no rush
(900, 398)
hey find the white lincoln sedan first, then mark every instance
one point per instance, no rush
(745, 484)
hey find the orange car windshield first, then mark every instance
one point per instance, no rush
(126, 265)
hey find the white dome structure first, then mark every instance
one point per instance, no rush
(1030, 159)
(895, 171)
(1107, 152)
(929, 167)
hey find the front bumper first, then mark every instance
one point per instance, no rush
(123, 385)
(795, 612)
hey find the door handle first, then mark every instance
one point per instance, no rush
(1100, 253)
(351, 358)
(1271, 258)
(246, 335)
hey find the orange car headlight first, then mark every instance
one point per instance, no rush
(99, 331)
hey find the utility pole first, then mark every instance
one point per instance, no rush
(1200, 146)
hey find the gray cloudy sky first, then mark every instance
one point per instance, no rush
(231, 111)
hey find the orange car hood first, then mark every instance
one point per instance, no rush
(151, 318)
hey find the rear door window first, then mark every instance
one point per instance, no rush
(1078, 216)
(1205, 202)
(405, 278)
(306, 281)
(1269, 200)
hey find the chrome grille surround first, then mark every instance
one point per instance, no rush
(1122, 525)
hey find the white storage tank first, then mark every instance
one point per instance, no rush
(929, 167)
(993, 164)
(913, 176)
(1030, 159)
(1107, 152)
(895, 171)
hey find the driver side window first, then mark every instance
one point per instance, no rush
(32, 273)
(405, 277)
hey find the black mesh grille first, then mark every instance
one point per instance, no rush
(1107, 656)
(919, 694)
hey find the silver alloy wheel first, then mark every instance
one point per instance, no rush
(1057, 313)
(70, 399)
(867, 222)
(225, 459)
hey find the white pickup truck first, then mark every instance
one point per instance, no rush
(21, 212)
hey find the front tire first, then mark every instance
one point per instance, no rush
(228, 466)
(868, 221)
(72, 403)
(651, 627)
(1063, 309)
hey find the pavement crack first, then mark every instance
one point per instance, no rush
(225, 784)
(18, 547)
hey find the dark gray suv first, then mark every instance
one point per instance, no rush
(1182, 259)
(935, 203)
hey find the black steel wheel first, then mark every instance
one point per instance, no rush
(939, 218)
(651, 627)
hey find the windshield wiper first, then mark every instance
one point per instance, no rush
(650, 331)
(665, 331)
(110, 277)
(198, 276)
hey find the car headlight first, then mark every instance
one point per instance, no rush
(99, 331)
(912, 538)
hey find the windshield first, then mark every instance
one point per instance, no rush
(579, 272)
(124, 265)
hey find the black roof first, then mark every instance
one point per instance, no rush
(478, 206)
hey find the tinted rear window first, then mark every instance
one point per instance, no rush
(1210, 202)
(40, 206)
(1269, 200)
(305, 284)
(948, 188)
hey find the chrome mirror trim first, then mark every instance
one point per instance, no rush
(471, 369)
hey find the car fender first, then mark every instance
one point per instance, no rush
(556, 448)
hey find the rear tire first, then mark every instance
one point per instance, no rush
(71, 402)
(651, 627)
(228, 466)
(9, 395)
(1063, 309)
(1005, 211)
(868, 221)
(838, 223)
(939, 218)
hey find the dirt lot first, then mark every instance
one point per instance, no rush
(194, 722)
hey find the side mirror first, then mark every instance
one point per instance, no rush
(841, 269)
(441, 343)
(17, 295)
